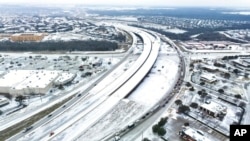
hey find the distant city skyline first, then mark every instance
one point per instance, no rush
(195, 3)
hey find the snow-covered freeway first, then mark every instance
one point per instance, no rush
(98, 101)
(127, 87)
(136, 74)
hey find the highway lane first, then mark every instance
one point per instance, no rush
(76, 100)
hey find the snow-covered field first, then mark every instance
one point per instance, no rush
(65, 37)
(176, 31)
(122, 115)
(156, 85)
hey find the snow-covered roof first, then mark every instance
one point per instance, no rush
(215, 107)
(242, 62)
(246, 61)
(19, 79)
(65, 78)
(208, 77)
(3, 102)
(14, 77)
(195, 135)
(3, 99)
(214, 68)
(39, 79)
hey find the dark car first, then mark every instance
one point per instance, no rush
(51, 134)
(131, 125)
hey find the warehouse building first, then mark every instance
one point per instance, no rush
(11, 79)
(30, 37)
(24, 82)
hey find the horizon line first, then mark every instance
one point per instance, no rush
(116, 5)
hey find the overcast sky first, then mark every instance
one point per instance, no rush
(213, 3)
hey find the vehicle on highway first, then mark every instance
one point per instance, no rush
(51, 134)
(27, 129)
(200, 132)
(131, 126)
(117, 138)
(49, 115)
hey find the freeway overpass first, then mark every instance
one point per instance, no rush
(98, 101)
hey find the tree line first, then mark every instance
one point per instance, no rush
(208, 34)
(88, 45)
(215, 36)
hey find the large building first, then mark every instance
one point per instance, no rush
(5, 36)
(23, 82)
(31, 37)
(213, 109)
(208, 77)
(190, 134)
(64, 78)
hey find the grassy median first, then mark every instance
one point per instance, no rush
(7, 133)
